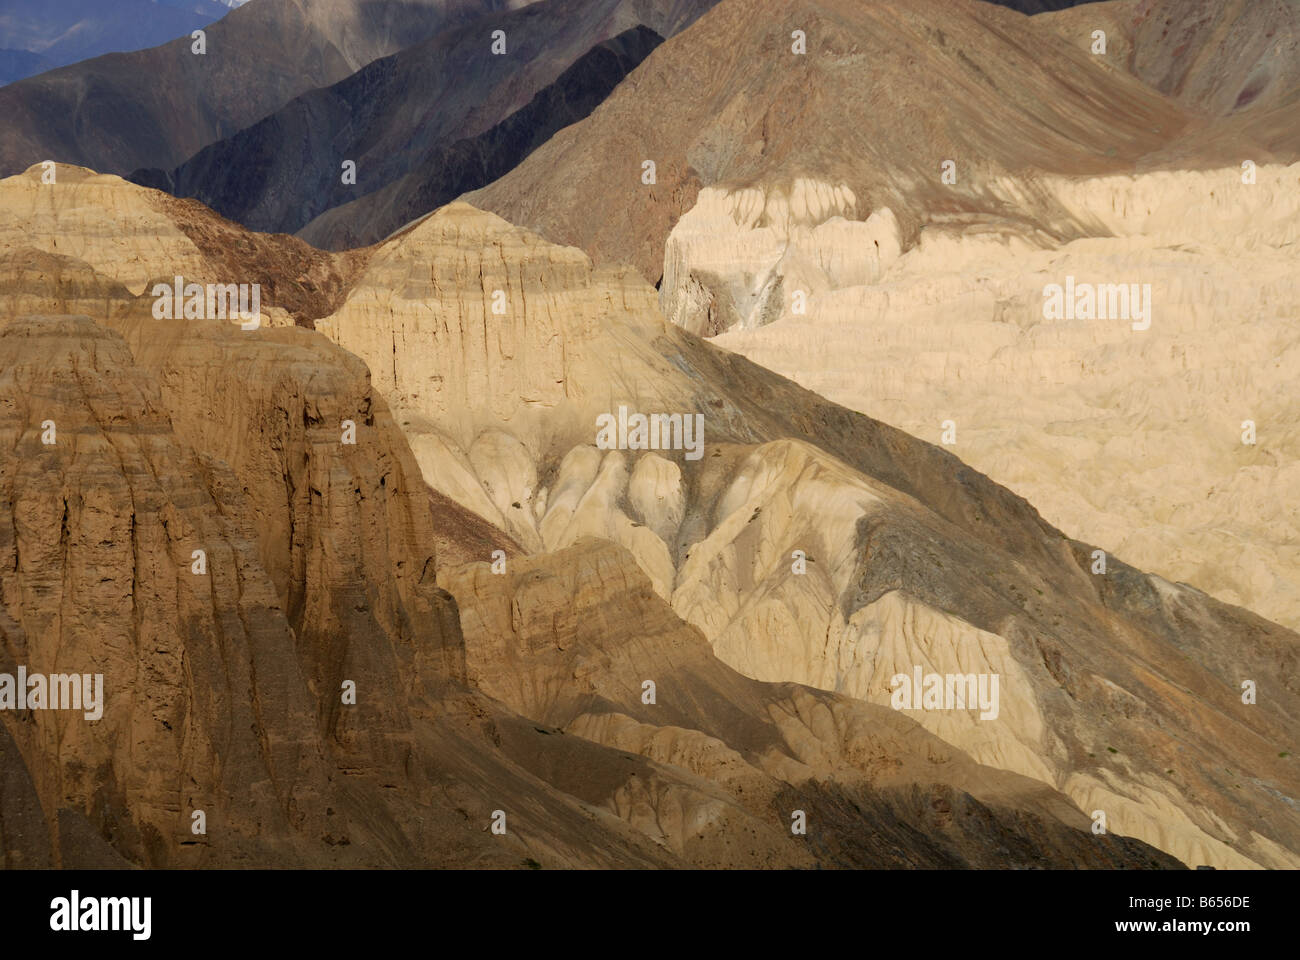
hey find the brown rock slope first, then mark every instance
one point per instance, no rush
(1120, 689)
(802, 215)
(136, 236)
(886, 92)
(222, 690)
(223, 687)
(401, 116)
(578, 641)
(1234, 60)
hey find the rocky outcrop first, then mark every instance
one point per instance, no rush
(221, 689)
(102, 526)
(578, 640)
(1131, 437)
(745, 259)
(497, 538)
(811, 544)
(316, 571)
(782, 229)
(137, 237)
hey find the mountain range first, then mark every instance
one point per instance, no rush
(906, 569)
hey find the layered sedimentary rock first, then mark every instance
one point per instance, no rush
(503, 536)
(579, 641)
(887, 244)
(137, 237)
(222, 688)
(1132, 437)
(812, 544)
(317, 572)
(179, 443)
(201, 675)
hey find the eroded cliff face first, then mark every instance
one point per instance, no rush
(424, 317)
(811, 544)
(886, 242)
(579, 640)
(200, 534)
(1124, 424)
(804, 543)
(205, 706)
(355, 590)
(223, 689)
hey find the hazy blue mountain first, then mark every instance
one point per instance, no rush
(55, 33)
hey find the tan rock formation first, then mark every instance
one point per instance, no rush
(1130, 437)
(777, 575)
(225, 683)
(221, 691)
(781, 189)
(578, 640)
(136, 237)
(913, 558)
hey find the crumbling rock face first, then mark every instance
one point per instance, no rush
(910, 557)
(225, 682)
(887, 244)
(102, 525)
(1122, 426)
(36, 281)
(773, 579)
(222, 689)
(345, 531)
(579, 641)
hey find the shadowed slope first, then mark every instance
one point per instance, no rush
(401, 114)
(156, 107)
